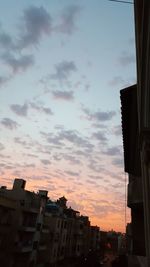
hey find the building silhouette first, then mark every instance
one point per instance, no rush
(135, 103)
(38, 232)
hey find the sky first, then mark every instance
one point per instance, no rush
(63, 63)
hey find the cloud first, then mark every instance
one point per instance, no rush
(113, 151)
(105, 209)
(118, 162)
(47, 111)
(9, 123)
(63, 70)
(99, 115)
(126, 59)
(28, 165)
(117, 130)
(18, 140)
(63, 95)
(95, 166)
(81, 153)
(29, 155)
(1, 146)
(56, 157)
(72, 173)
(70, 191)
(6, 41)
(67, 23)
(100, 136)
(36, 23)
(45, 161)
(4, 80)
(71, 159)
(117, 80)
(40, 108)
(99, 125)
(71, 136)
(19, 64)
(50, 138)
(20, 110)
(91, 182)
(74, 137)
(96, 177)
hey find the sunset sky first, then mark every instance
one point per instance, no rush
(63, 63)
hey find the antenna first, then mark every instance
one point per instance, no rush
(123, 2)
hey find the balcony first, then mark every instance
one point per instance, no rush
(135, 194)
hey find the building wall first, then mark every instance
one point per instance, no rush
(7, 233)
(142, 30)
(35, 231)
(26, 219)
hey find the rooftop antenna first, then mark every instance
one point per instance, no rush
(124, 2)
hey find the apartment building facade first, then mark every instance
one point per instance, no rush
(136, 140)
(26, 223)
(38, 232)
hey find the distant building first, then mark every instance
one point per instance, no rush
(7, 230)
(95, 238)
(38, 232)
(27, 218)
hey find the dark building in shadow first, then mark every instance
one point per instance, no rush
(135, 104)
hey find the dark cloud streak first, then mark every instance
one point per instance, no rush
(63, 70)
(18, 64)
(9, 123)
(68, 17)
(20, 110)
(36, 23)
(99, 116)
(63, 95)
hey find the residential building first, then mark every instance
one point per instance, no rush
(135, 102)
(95, 238)
(7, 230)
(131, 142)
(26, 223)
(142, 30)
(38, 232)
